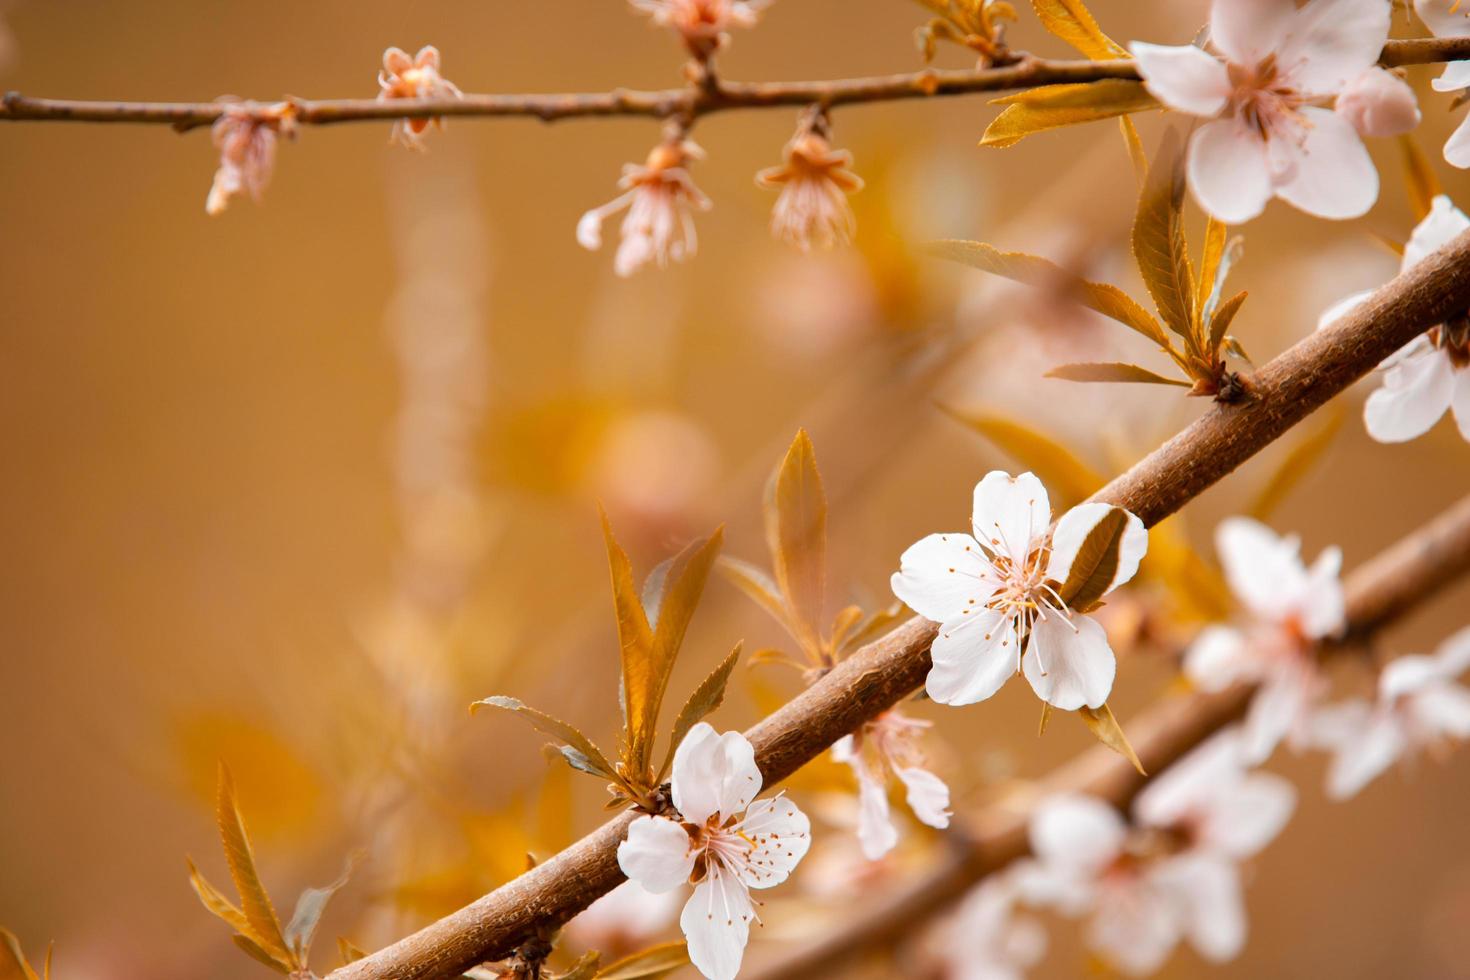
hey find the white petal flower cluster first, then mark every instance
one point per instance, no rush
(1170, 876)
(1431, 375)
(1420, 708)
(987, 940)
(1270, 133)
(888, 745)
(1451, 18)
(994, 594)
(1291, 607)
(724, 845)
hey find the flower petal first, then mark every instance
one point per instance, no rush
(1217, 658)
(1076, 832)
(1379, 103)
(1443, 709)
(1208, 894)
(1246, 31)
(714, 773)
(1440, 226)
(875, 832)
(1191, 786)
(1183, 77)
(1444, 18)
(1278, 707)
(973, 658)
(928, 796)
(1010, 513)
(1069, 663)
(1334, 177)
(716, 922)
(1228, 170)
(656, 854)
(942, 577)
(1415, 393)
(1247, 817)
(1264, 570)
(1136, 926)
(1331, 42)
(781, 833)
(1460, 402)
(1454, 653)
(1457, 147)
(1364, 757)
(1321, 607)
(1072, 531)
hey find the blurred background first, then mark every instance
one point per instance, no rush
(290, 487)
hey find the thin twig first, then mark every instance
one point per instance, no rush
(687, 102)
(883, 673)
(1377, 593)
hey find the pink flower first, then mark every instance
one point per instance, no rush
(1379, 103)
(889, 745)
(814, 183)
(418, 77)
(703, 24)
(661, 199)
(1451, 18)
(246, 136)
(1269, 134)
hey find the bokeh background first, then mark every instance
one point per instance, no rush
(290, 487)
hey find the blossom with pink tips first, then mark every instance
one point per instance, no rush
(660, 198)
(418, 77)
(703, 24)
(1269, 134)
(814, 183)
(888, 746)
(246, 136)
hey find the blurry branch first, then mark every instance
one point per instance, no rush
(1377, 593)
(1287, 390)
(713, 95)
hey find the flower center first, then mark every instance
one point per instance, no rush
(1261, 97)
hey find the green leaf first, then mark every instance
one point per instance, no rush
(1297, 463)
(1220, 322)
(1067, 477)
(1114, 372)
(1033, 270)
(1096, 565)
(1158, 242)
(1105, 728)
(1054, 106)
(589, 757)
(301, 930)
(264, 928)
(655, 961)
(796, 533)
(1071, 21)
(708, 696)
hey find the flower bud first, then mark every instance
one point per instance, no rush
(1379, 103)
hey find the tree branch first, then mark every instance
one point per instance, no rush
(1380, 591)
(686, 102)
(883, 673)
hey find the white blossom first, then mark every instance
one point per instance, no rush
(1419, 708)
(994, 594)
(986, 940)
(1269, 134)
(724, 845)
(660, 198)
(1431, 375)
(1290, 607)
(888, 746)
(1451, 18)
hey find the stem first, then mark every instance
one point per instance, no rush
(690, 101)
(884, 672)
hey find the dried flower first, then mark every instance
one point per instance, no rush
(246, 135)
(814, 183)
(418, 77)
(703, 24)
(975, 24)
(660, 198)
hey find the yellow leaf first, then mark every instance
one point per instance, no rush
(796, 533)
(656, 961)
(1033, 270)
(1096, 564)
(255, 952)
(1054, 106)
(758, 586)
(260, 915)
(635, 639)
(1215, 232)
(1045, 717)
(870, 628)
(1297, 463)
(13, 962)
(215, 901)
(1159, 246)
(1105, 728)
(1423, 184)
(585, 755)
(1071, 21)
(708, 696)
(1220, 322)
(1070, 480)
(349, 951)
(1112, 371)
(1136, 154)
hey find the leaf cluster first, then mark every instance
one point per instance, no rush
(651, 627)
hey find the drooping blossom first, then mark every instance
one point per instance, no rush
(703, 24)
(888, 746)
(625, 920)
(724, 844)
(814, 183)
(1379, 103)
(1173, 875)
(1430, 375)
(1419, 708)
(660, 198)
(1270, 135)
(246, 136)
(418, 77)
(1290, 608)
(1451, 18)
(995, 596)
(987, 940)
